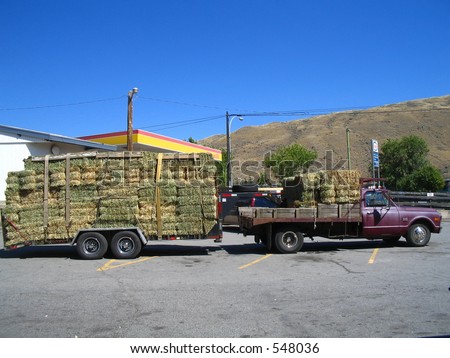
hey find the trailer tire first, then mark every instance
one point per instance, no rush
(288, 240)
(91, 246)
(418, 235)
(126, 245)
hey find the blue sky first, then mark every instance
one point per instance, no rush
(67, 66)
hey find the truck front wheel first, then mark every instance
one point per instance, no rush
(91, 246)
(418, 235)
(288, 240)
(126, 245)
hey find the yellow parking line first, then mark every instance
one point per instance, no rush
(374, 254)
(255, 262)
(109, 265)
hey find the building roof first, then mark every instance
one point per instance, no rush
(55, 138)
(146, 141)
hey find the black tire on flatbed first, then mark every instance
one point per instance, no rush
(288, 239)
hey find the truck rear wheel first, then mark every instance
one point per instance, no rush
(91, 246)
(288, 240)
(418, 235)
(126, 245)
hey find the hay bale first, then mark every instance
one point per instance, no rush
(37, 167)
(75, 177)
(118, 192)
(89, 177)
(345, 177)
(12, 195)
(57, 179)
(12, 178)
(146, 193)
(56, 166)
(84, 193)
(12, 214)
(168, 190)
(27, 179)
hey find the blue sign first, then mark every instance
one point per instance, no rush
(376, 160)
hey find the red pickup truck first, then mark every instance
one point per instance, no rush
(375, 216)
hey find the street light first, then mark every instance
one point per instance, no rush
(229, 119)
(130, 119)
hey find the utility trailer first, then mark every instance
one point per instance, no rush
(374, 216)
(117, 201)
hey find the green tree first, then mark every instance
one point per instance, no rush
(404, 164)
(290, 160)
(428, 178)
(191, 140)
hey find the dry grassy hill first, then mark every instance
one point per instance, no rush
(428, 118)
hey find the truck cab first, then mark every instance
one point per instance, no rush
(382, 218)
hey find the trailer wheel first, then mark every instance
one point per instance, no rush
(126, 245)
(288, 240)
(91, 246)
(418, 235)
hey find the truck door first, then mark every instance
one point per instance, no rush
(380, 216)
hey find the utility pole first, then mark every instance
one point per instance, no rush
(228, 123)
(348, 149)
(130, 119)
(229, 181)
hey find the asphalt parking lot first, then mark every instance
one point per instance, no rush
(230, 289)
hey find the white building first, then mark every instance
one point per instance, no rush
(17, 144)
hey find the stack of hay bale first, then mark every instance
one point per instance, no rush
(24, 205)
(164, 195)
(323, 187)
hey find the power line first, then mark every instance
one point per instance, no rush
(282, 113)
(63, 105)
(313, 112)
(180, 103)
(170, 101)
(183, 123)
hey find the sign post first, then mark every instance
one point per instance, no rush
(375, 159)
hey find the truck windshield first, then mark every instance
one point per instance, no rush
(376, 198)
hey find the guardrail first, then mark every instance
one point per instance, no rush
(429, 200)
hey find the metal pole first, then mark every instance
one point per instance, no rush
(130, 122)
(348, 149)
(130, 119)
(373, 167)
(229, 179)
